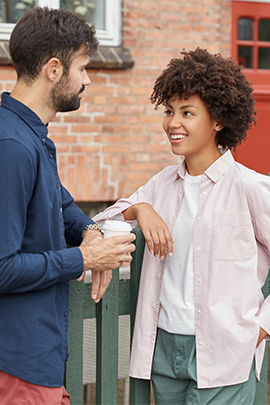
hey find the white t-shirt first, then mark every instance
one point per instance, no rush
(177, 312)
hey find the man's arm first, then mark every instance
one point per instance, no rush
(22, 271)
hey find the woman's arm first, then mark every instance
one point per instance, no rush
(155, 230)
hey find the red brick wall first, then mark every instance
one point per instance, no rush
(115, 142)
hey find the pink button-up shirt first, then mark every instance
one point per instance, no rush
(231, 262)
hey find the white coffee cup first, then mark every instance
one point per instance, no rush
(113, 228)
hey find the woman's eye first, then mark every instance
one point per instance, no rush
(187, 113)
(167, 112)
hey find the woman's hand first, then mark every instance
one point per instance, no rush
(262, 335)
(154, 229)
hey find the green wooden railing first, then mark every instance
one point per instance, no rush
(119, 299)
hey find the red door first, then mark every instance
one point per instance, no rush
(251, 48)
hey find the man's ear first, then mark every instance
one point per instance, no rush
(53, 69)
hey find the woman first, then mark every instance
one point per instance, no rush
(201, 319)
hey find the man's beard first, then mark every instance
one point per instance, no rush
(64, 101)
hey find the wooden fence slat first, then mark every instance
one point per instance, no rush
(74, 365)
(107, 344)
(139, 389)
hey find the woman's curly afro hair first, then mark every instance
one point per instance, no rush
(222, 86)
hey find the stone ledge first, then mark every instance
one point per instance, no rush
(104, 58)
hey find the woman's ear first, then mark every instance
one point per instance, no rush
(218, 126)
(53, 69)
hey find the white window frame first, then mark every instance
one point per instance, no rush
(111, 36)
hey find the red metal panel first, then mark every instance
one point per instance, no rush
(255, 151)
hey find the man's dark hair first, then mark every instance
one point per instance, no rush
(221, 85)
(44, 33)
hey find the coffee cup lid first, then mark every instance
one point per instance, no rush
(117, 225)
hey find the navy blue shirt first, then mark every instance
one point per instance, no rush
(37, 219)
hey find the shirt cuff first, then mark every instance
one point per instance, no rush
(72, 264)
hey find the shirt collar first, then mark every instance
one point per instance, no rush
(215, 171)
(220, 166)
(25, 113)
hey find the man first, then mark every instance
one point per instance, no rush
(50, 50)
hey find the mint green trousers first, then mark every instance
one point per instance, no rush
(174, 377)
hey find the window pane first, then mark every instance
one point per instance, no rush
(264, 58)
(92, 11)
(12, 10)
(245, 29)
(245, 54)
(264, 30)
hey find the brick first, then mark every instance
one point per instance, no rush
(136, 137)
(84, 149)
(143, 166)
(133, 14)
(85, 128)
(149, 119)
(105, 139)
(7, 74)
(75, 118)
(86, 138)
(115, 149)
(63, 138)
(105, 109)
(108, 119)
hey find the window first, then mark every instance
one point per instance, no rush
(104, 14)
(253, 38)
(254, 43)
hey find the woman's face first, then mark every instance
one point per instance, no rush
(190, 130)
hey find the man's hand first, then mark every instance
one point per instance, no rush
(100, 282)
(155, 230)
(101, 254)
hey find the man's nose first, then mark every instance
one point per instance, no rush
(86, 79)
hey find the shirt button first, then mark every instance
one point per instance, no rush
(199, 280)
(200, 342)
(198, 311)
(198, 218)
(203, 193)
(198, 249)
(61, 218)
(66, 314)
(66, 282)
(61, 209)
(51, 156)
(57, 185)
(43, 140)
(64, 248)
